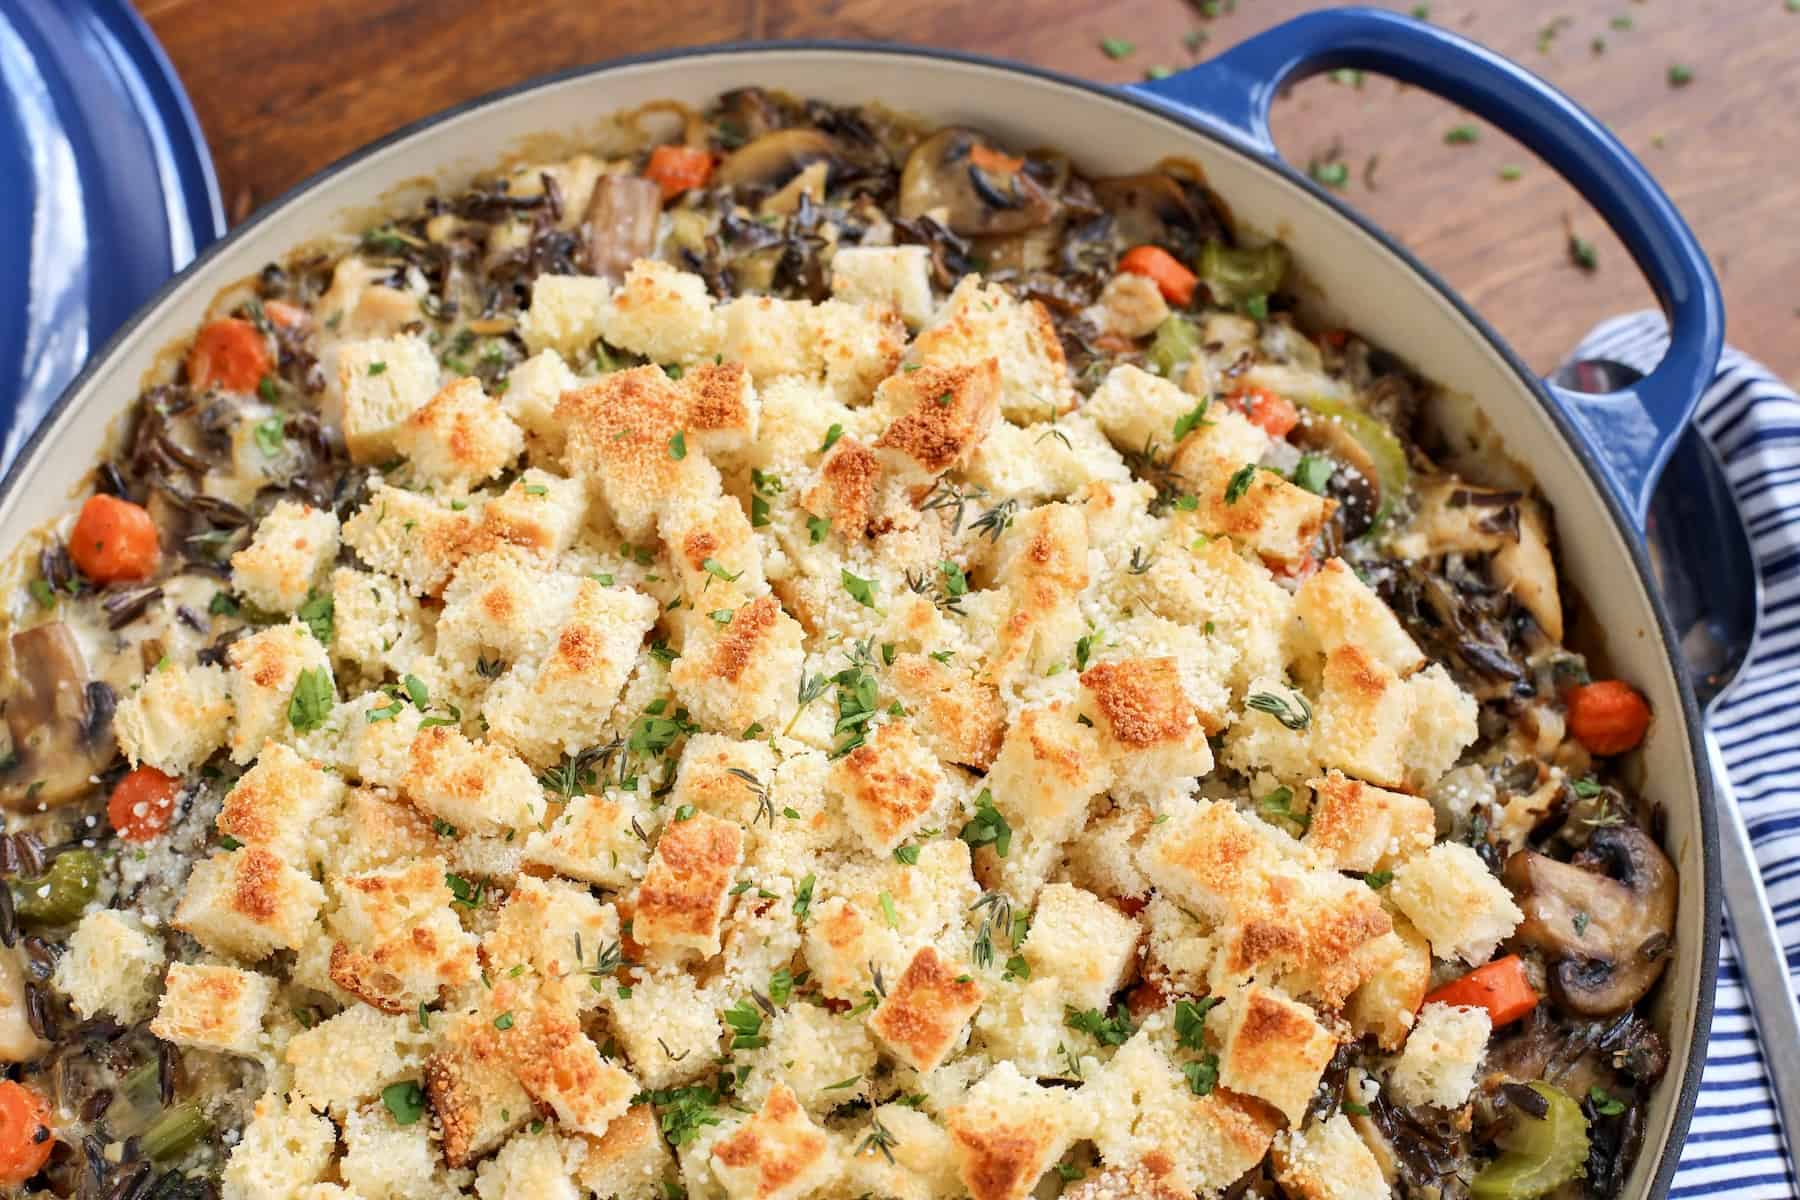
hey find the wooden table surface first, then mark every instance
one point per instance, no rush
(283, 87)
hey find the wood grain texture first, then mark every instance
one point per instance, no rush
(283, 87)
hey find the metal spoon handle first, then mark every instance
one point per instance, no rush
(1761, 958)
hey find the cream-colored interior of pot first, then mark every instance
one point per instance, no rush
(1367, 286)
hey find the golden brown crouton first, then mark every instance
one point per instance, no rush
(925, 1010)
(945, 412)
(683, 896)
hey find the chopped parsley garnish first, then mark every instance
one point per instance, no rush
(1587, 787)
(1332, 173)
(312, 700)
(1240, 483)
(463, 894)
(818, 529)
(682, 1112)
(1462, 135)
(987, 827)
(1084, 648)
(1604, 1102)
(1582, 253)
(1313, 472)
(317, 614)
(1202, 1074)
(1509, 173)
(1113, 1030)
(1282, 709)
(887, 911)
(831, 436)
(678, 445)
(503, 1022)
(716, 569)
(1116, 48)
(1279, 804)
(405, 1100)
(377, 368)
(271, 434)
(745, 1021)
(1193, 419)
(908, 855)
(803, 897)
(1378, 879)
(1190, 1021)
(1680, 76)
(861, 590)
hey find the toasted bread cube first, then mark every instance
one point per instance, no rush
(540, 513)
(213, 1008)
(1083, 943)
(544, 922)
(175, 718)
(813, 1051)
(1007, 1133)
(622, 441)
(565, 314)
(1044, 568)
(539, 1165)
(345, 1060)
(668, 1026)
(1442, 1052)
(944, 413)
(477, 787)
(846, 489)
(533, 389)
(1328, 1162)
(560, 1065)
(684, 893)
(857, 345)
(726, 777)
(664, 314)
(722, 410)
(503, 605)
(1148, 717)
(1209, 856)
(1339, 609)
(382, 382)
(959, 719)
(923, 1165)
(1454, 900)
(376, 623)
(844, 946)
(1257, 508)
(769, 336)
(1398, 973)
(398, 941)
(1130, 306)
(471, 1087)
(886, 786)
(744, 672)
(1441, 726)
(1144, 1112)
(110, 966)
(1362, 717)
(1216, 587)
(925, 1012)
(460, 437)
(595, 840)
(629, 1161)
(265, 667)
(284, 1148)
(1274, 1048)
(279, 805)
(710, 541)
(248, 903)
(1047, 460)
(1137, 409)
(1359, 827)
(564, 704)
(411, 536)
(384, 1160)
(982, 321)
(1048, 772)
(898, 277)
(777, 1154)
(288, 557)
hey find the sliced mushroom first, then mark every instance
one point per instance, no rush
(1524, 567)
(59, 721)
(620, 227)
(1155, 207)
(748, 113)
(773, 159)
(1603, 921)
(980, 190)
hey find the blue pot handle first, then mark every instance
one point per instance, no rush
(1632, 432)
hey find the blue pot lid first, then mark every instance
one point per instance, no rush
(106, 190)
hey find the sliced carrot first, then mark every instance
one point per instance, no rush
(142, 804)
(231, 354)
(1174, 281)
(1607, 716)
(1275, 413)
(285, 315)
(1500, 987)
(114, 540)
(993, 161)
(676, 169)
(1334, 338)
(25, 1140)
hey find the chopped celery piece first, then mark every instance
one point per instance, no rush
(174, 1132)
(1236, 276)
(58, 896)
(1177, 340)
(1538, 1154)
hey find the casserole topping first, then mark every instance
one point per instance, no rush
(823, 658)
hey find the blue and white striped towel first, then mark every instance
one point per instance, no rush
(1753, 421)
